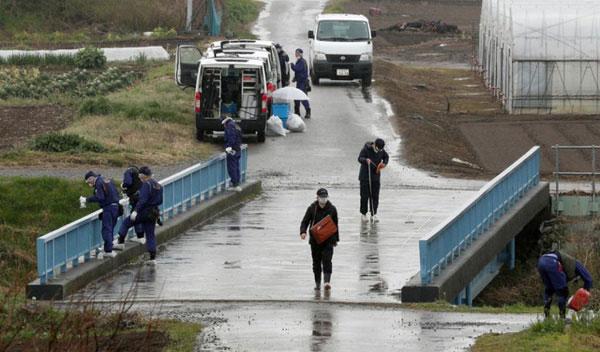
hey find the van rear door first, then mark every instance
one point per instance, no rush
(186, 65)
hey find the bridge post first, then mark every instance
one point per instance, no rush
(512, 252)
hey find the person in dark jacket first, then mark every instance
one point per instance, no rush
(233, 148)
(146, 211)
(321, 253)
(300, 69)
(371, 156)
(557, 269)
(283, 62)
(131, 187)
(107, 196)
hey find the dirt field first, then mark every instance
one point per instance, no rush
(422, 73)
(19, 124)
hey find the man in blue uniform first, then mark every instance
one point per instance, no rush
(146, 211)
(371, 156)
(557, 269)
(107, 196)
(131, 187)
(300, 69)
(283, 62)
(233, 148)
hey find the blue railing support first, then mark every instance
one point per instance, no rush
(452, 237)
(65, 247)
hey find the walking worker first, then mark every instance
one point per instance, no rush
(283, 62)
(557, 269)
(131, 187)
(372, 159)
(300, 69)
(146, 211)
(233, 148)
(322, 252)
(107, 196)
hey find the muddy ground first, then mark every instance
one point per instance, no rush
(421, 73)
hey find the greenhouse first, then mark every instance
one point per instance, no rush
(541, 57)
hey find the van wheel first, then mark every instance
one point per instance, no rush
(200, 135)
(314, 78)
(366, 81)
(261, 136)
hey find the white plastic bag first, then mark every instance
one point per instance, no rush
(295, 123)
(275, 127)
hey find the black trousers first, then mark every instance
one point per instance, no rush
(321, 256)
(364, 196)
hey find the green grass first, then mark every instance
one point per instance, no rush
(238, 14)
(29, 208)
(443, 306)
(183, 335)
(552, 334)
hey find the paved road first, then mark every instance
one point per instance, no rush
(247, 274)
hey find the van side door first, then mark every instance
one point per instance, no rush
(186, 65)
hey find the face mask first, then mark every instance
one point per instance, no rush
(90, 183)
(376, 149)
(322, 201)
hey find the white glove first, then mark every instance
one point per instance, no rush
(82, 201)
(133, 215)
(228, 150)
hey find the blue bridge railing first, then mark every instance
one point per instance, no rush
(64, 248)
(449, 239)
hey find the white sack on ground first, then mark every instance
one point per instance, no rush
(275, 127)
(295, 123)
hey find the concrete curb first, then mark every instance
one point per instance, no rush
(76, 278)
(463, 269)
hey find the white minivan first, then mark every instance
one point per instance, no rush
(341, 48)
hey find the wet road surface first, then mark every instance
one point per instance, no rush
(248, 275)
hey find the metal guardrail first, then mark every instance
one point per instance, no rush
(557, 173)
(455, 234)
(63, 248)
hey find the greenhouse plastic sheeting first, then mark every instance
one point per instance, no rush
(541, 56)
(112, 54)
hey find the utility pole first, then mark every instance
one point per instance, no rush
(190, 10)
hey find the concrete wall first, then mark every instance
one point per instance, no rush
(534, 206)
(76, 278)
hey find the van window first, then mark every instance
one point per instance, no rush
(188, 56)
(345, 31)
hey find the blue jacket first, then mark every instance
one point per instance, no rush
(151, 196)
(300, 69)
(283, 60)
(105, 192)
(233, 136)
(369, 153)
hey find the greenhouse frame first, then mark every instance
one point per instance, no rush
(541, 57)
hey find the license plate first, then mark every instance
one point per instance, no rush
(343, 72)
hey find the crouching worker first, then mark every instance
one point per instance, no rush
(557, 269)
(146, 211)
(131, 187)
(107, 196)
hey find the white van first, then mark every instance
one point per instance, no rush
(341, 48)
(235, 83)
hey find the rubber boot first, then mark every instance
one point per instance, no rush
(327, 282)
(562, 308)
(307, 114)
(297, 110)
(152, 255)
(547, 306)
(317, 281)
(139, 234)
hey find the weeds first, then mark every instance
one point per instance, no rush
(56, 142)
(62, 60)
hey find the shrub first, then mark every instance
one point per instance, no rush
(238, 12)
(163, 32)
(100, 106)
(57, 142)
(90, 58)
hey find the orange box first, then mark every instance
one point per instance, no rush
(579, 300)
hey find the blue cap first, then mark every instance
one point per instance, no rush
(379, 143)
(145, 170)
(322, 192)
(277, 46)
(90, 174)
(299, 51)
